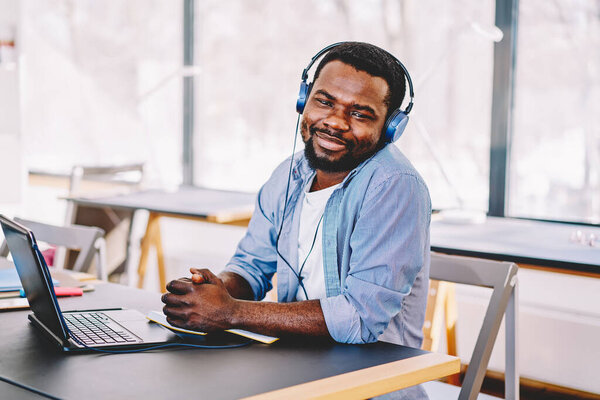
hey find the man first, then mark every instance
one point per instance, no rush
(346, 226)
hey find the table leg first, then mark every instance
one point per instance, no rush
(152, 238)
(157, 241)
(431, 312)
(441, 307)
(147, 241)
(451, 317)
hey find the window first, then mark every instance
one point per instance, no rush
(252, 54)
(555, 158)
(100, 85)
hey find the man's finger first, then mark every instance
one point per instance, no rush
(175, 313)
(202, 275)
(180, 286)
(195, 270)
(173, 300)
(208, 276)
(198, 278)
(177, 322)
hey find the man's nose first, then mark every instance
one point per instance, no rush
(336, 120)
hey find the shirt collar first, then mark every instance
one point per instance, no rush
(302, 170)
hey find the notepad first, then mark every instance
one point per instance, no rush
(14, 304)
(161, 319)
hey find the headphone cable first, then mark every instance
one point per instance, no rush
(287, 189)
(310, 251)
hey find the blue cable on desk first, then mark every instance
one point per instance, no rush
(29, 388)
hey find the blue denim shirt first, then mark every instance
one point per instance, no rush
(375, 247)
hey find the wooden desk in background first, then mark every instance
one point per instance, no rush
(283, 370)
(549, 246)
(539, 245)
(209, 205)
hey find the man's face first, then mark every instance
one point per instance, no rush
(343, 119)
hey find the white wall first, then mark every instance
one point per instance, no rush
(558, 331)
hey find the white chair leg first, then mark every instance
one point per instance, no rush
(60, 255)
(511, 370)
(101, 259)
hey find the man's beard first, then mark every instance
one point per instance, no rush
(346, 163)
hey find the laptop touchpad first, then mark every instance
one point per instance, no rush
(126, 315)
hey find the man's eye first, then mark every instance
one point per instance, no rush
(324, 102)
(360, 115)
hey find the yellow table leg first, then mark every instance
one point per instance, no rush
(434, 315)
(157, 241)
(145, 249)
(451, 317)
(441, 305)
(430, 312)
(152, 238)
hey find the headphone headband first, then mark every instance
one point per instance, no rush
(316, 57)
(331, 46)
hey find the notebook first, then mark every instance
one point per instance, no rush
(74, 331)
(10, 282)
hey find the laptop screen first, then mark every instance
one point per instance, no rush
(34, 275)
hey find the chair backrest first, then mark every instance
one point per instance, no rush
(75, 237)
(98, 181)
(3, 249)
(130, 173)
(501, 277)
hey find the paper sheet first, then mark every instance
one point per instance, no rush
(161, 319)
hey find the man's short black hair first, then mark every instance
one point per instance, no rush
(374, 61)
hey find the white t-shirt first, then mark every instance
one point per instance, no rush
(311, 230)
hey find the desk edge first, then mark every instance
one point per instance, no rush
(372, 381)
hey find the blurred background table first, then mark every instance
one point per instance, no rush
(195, 203)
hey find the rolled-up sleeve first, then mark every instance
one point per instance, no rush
(255, 258)
(388, 246)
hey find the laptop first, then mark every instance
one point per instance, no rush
(74, 330)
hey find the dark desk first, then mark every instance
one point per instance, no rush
(292, 369)
(534, 243)
(210, 205)
(10, 391)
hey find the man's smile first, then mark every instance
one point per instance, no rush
(327, 141)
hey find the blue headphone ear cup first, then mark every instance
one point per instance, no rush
(303, 96)
(395, 125)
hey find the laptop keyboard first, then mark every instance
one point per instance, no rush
(96, 328)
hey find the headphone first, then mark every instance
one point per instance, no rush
(396, 122)
(393, 129)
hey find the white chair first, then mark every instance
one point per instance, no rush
(501, 277)
(130, 173)
(88, 240)
(118, 224)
